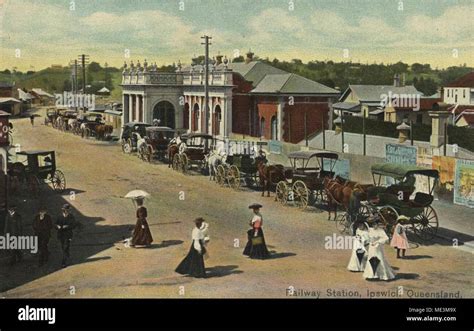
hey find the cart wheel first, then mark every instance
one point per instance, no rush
(233, 177)
(301, 194)
(183, 163)
(281, 192)
(343, 223)
(388, 216)
(33, 185)
(426, 224)
(126, 148)
(58, 180)
(220, 175)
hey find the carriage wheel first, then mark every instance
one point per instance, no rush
(233, 177)
(33, 185)
(343, 223)
(220, 175)
(388, 216)
(301, 194)
(126, 148)
(183, 163)
(58, 180)
(281, 192)
(426, 224)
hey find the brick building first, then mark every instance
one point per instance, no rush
(250, 98)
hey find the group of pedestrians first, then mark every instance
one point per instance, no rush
(368, 255)
(42, 227)
(193, 264)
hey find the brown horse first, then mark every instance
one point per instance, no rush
(269, 174)
(102, 130)
(338, 194)
(172, 151)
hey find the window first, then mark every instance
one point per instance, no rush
(274, 122)
(262, 127)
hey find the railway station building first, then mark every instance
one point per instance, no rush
(250, 98)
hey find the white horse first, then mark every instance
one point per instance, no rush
(213, 160)
(71, 123)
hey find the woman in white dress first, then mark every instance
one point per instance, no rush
(359, 249)
(377, 267)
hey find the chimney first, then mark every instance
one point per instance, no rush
(218, 59)
(396, 80)
(249, 57)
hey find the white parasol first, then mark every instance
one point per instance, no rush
(137, 194)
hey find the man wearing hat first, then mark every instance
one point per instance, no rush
(256, 247)
(42, 225)
(65, 224)
(14, 228)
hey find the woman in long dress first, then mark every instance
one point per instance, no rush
(377, 267)
(256, 247)
(360, 244)
(399, 239)
(193, 263)
(141, 233)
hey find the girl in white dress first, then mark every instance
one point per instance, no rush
(377, 267)
(359, 249)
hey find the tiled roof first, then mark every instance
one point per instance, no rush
(291, 84)
(374, 92)
(464, 81)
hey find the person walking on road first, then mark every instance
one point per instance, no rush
(141, 234)
(65, 224)
(14, 228)
(193, 263)
(42, 226)
(256, 247)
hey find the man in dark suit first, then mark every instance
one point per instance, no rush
(14, 228)
(65, 224)
(42, 225)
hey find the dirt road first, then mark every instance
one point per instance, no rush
(100, 175)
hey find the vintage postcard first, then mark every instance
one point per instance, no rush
(218, 149)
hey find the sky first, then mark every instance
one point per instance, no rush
(37, 33)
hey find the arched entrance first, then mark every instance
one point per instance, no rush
(216, 121)
(274, 128)
(262, 127)
(195, 118)
(164, 111)
(186, 116)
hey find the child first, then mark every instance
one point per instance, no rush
(399, 238)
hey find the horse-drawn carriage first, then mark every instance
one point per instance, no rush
(92, 125)
(51, 115)
(155, 143)
(399, 200)
(303, 183)
(237, 168)
(192, 152)
(131, 133)
(63, 118)
(36, 168)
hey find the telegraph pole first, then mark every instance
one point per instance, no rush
(84, 58)
(206, 44)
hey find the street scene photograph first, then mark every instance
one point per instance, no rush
(215, 149)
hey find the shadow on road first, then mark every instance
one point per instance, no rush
(417, 257)
(409, 276)
(274, 255)
(222, 270)
(166, 243)
(88, 241)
